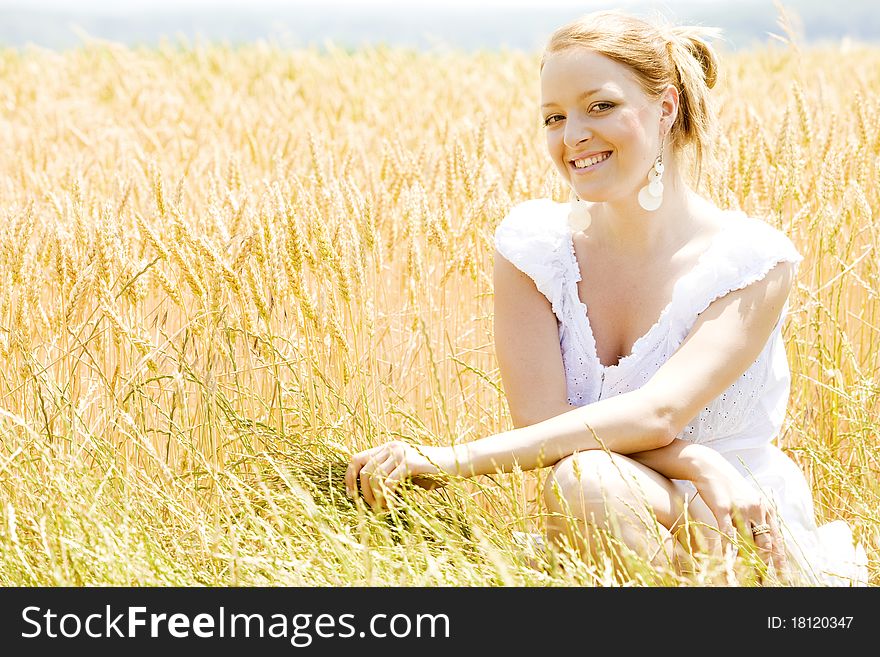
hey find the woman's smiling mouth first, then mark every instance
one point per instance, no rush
(582, 165)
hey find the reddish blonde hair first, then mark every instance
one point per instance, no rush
(658, 54)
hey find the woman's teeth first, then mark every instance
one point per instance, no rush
(590, 161)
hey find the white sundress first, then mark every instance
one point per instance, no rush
(743, 421)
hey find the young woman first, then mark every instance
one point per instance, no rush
(638, 327)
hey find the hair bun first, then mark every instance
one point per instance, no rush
(693, 38)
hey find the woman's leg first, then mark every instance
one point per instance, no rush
(611, 492)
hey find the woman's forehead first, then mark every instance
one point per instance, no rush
(575, 70)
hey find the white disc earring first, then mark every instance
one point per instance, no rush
(651, 195)
(578, 215)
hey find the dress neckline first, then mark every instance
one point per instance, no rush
(584, 317)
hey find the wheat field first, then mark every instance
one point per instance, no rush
(222, 269)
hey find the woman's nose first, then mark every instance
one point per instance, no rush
(577, 130)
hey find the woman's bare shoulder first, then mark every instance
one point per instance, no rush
(709, 216)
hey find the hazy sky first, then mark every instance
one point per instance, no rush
(408, 5)
(421, 23)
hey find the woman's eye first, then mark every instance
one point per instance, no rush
(601, 107)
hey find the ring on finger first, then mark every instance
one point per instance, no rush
(760, 528)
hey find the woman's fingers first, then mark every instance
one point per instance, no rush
(727, 533)
(742, 522)
(379, 470)
(725, 526)
(710, 537)
(375, 481)
(358, 461)
(747, 519)
(353, 470)
(768, 539)
(364, 477)
(780, 561)
(386, 479)
(394, 477)
(762, 534)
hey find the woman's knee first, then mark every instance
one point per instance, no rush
(585, 482)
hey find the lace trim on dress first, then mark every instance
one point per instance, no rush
(653, 337)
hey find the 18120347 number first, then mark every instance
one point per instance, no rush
(809, 622)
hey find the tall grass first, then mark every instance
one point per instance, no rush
(224, 269)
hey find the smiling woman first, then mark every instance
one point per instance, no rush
(639, 330)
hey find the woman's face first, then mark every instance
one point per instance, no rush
(592, 107)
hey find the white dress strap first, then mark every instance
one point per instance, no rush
(745, 253)
(531, 236)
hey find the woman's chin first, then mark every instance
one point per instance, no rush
(590, 196)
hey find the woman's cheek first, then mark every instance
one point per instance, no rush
(635, 122)
(555, 151)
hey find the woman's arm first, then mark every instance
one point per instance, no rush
(630, 422)
(724, 341)
(736, 504)
(682, 459)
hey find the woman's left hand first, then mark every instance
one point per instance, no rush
(739, 507)
(381, 469)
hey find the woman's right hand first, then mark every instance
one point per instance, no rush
(739, 507)
(381, 469)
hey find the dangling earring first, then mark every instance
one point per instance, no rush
(651, 195)
(578, 216)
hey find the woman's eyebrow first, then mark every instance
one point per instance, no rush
(580, 97)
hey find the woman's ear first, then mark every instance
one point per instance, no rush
(669, 104)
